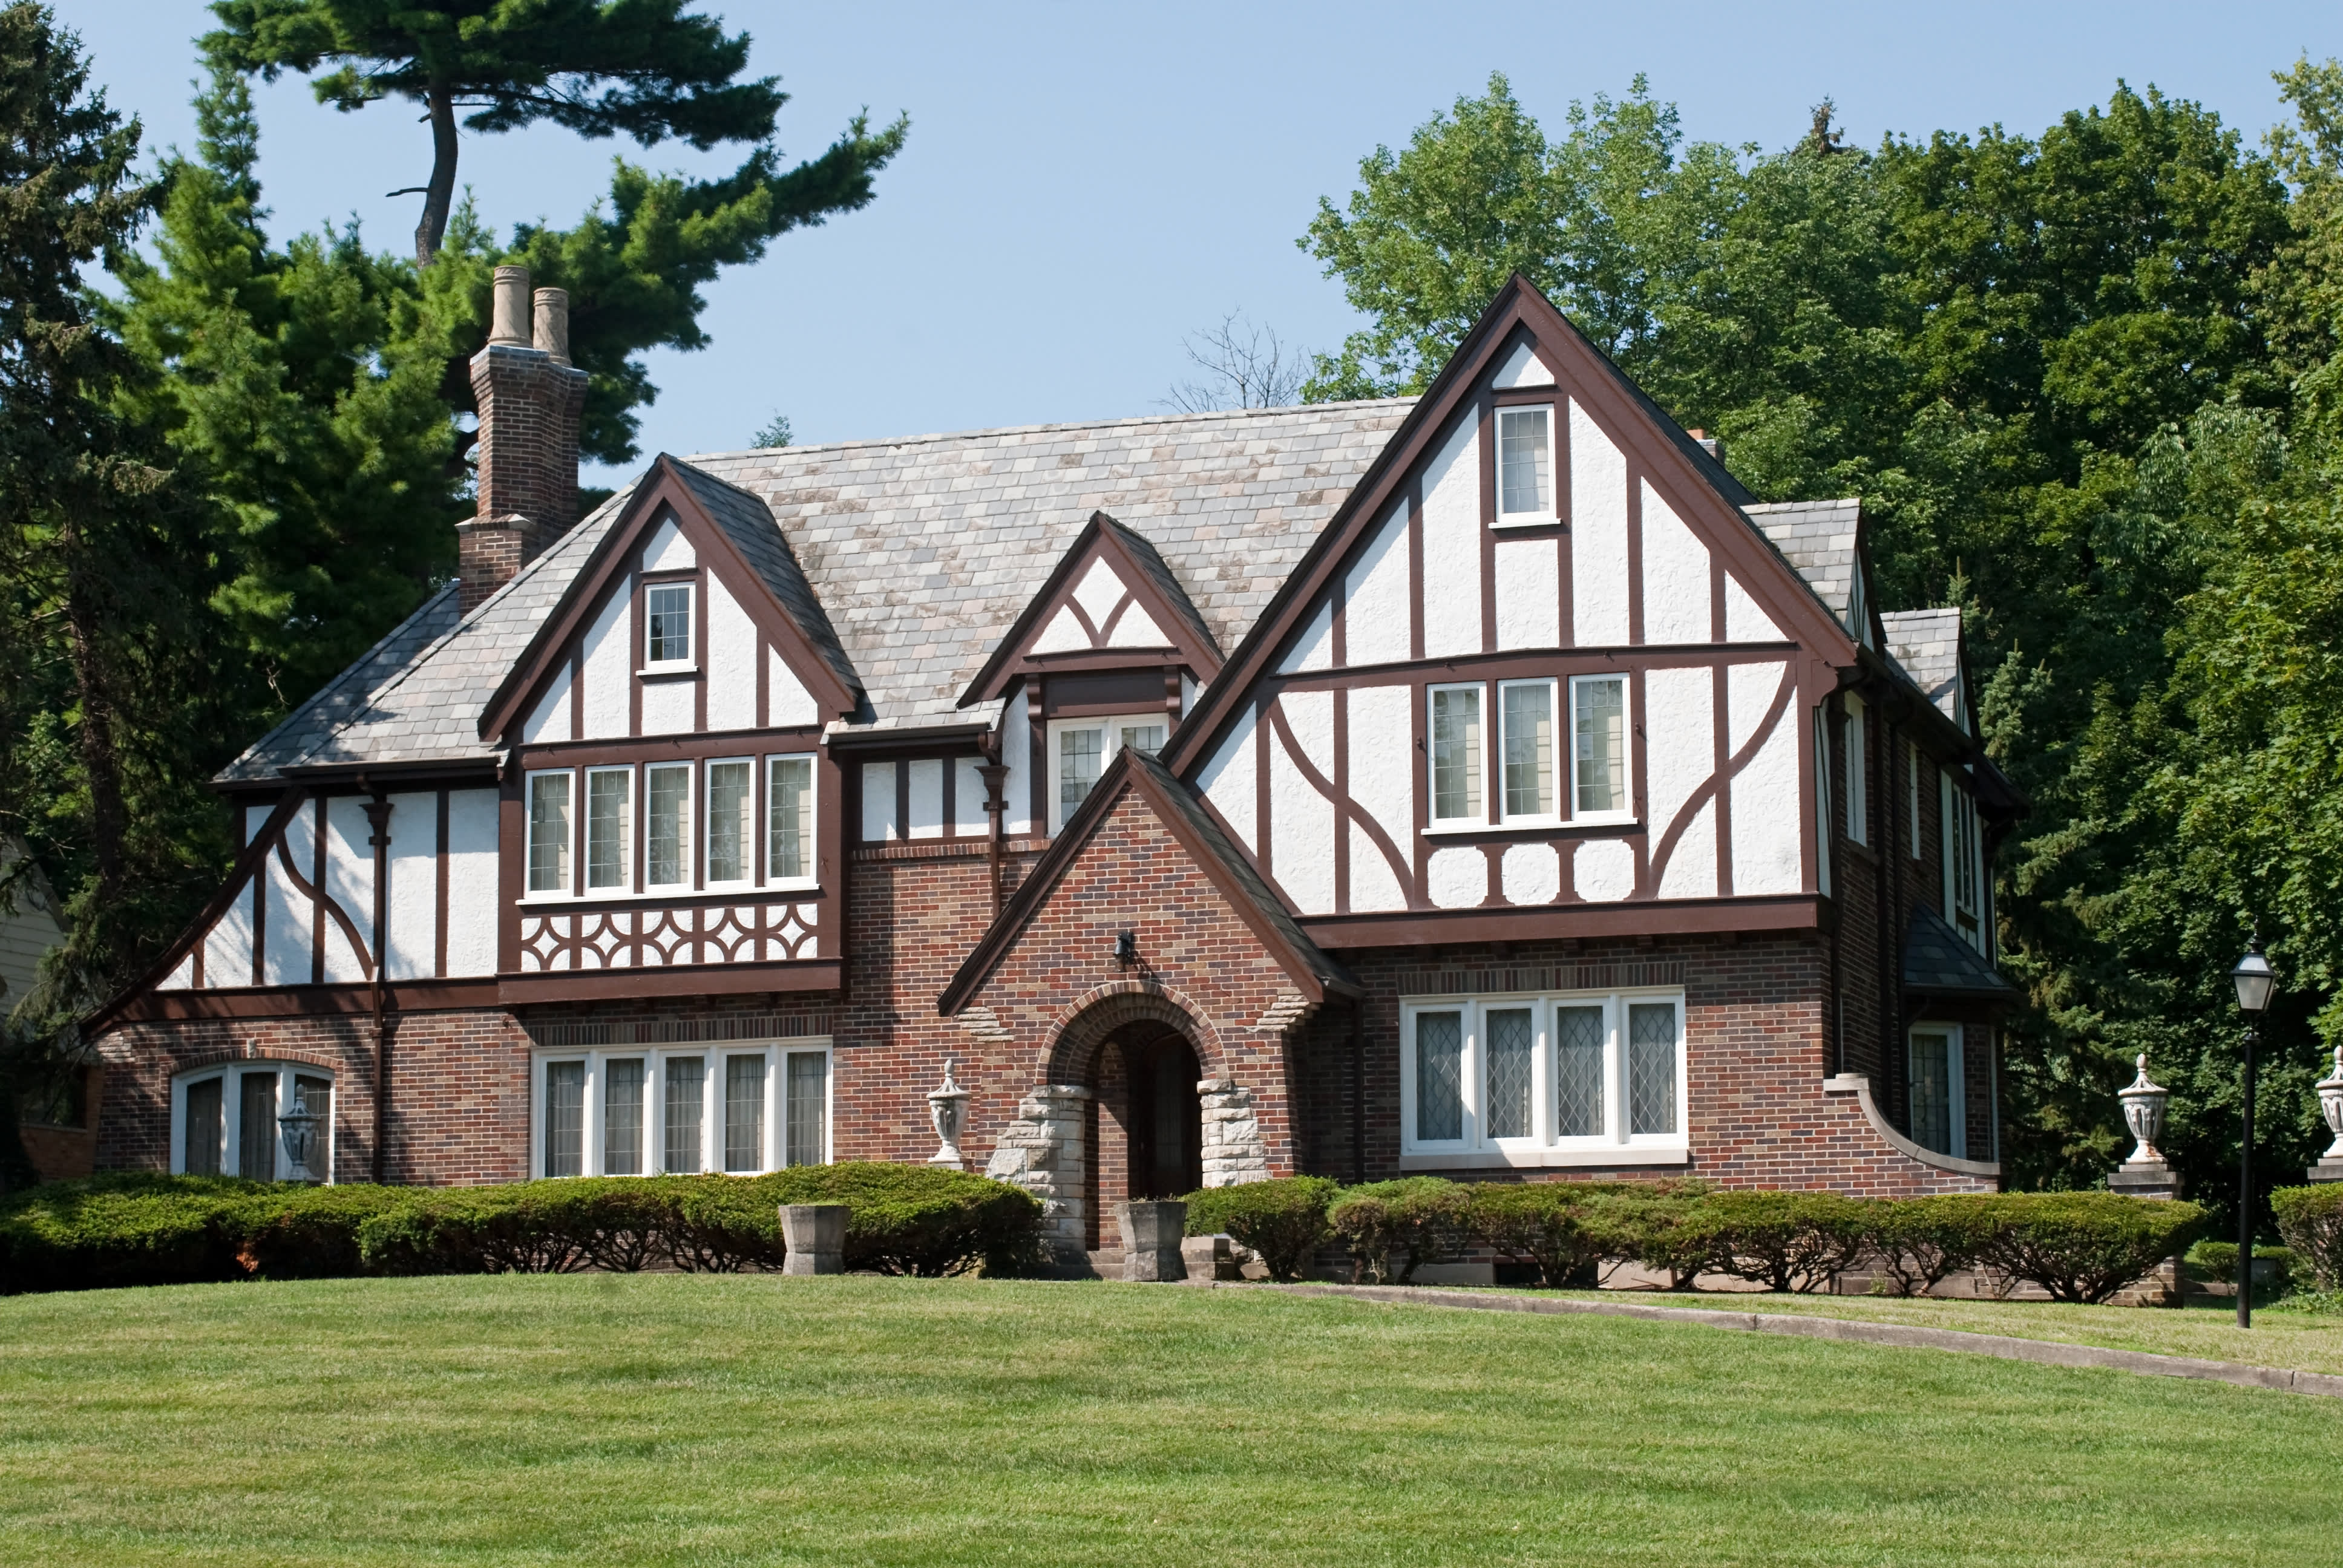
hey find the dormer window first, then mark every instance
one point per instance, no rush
(1081, 749)
(666, 615)
(1526, 465)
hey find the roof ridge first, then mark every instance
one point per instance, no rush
(1124, 422)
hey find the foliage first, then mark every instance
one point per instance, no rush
(2311, 1221)
(138, 1230)
(1543, 1222)
(1656, 1225)
(774, 432)
(2085, 1246)
(1416, 1220)
(1784, 1241)
(1283, 1221)
(1917, 1241)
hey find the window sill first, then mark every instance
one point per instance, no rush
(743, 890)
(1520, 826)
(664, 671)
(1608, 1156)
(1526, 520)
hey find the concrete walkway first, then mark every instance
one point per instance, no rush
(2052, 1352)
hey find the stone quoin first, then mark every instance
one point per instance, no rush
(1483, 783)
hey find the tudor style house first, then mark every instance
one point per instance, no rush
(1483, 783)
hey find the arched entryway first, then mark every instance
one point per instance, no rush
(1146, 1121)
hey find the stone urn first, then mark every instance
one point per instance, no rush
(1152, 1231)
(2146, 1174)
(2330, 1106)
(815, 1237)
(948, 1109)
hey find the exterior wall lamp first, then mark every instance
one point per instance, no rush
(2255, 980)
(1126, 948)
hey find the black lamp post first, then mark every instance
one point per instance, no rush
(2255, 980)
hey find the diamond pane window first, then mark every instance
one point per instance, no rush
(608, 792)
(565, 1117)
(548, 833)
(686, 1079)
(1652, 1067)
(622, 1118)
(808, 1094)
(667, 857)
(1578, 1071)
(1600, 721)
(1439, 1077)
(744, 1114)
(1455, 753)
(791, 809)
(1529, 749)
(731, 799)
(1512, 1043)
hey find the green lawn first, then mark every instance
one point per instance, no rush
(641, 1418)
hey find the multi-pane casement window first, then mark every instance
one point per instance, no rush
(738, 1108)
(1525, 717)
(658, 828)
(1939, 1099)
(1598, 764)
(1964, 863)
(788, 821)
(548, 832)
(1851, 759)
(667, 627)
(230, 1120)
(1524, 466)
(1455, 728)
(1825, 814)
(1559, 1079)
(1080, 749)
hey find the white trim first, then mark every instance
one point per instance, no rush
(1956, 1123)
(1614, 1144)
(688, 663)
(1826, 824)
(1852, 762)
(1558, 772)
(1477, 814)
(230, 1076)
(773, 1152)
(1110, 727)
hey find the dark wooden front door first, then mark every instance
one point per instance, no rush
(1167, 1122)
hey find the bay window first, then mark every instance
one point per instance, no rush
(1524, 466)
(1586, 1078)
(741, 1108)
(232, 1120)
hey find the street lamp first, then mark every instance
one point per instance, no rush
(2255, 980)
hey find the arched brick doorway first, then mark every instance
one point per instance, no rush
(1145, 1123)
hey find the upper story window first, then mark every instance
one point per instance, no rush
(1599, 754)
(731, 822)
(1456, 754)
(667, 825)
(1527, 715)
(262, 1120)
(548, 832)
(1080, 749)
(1598, 1074)
(610, 829)
(1964, 863)
(667, 620)
(1526, 465)
(1853, 758)
(789, 817)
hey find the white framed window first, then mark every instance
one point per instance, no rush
(740, 1107)
(1599, 774)
(1825, 817)
(732, 796)
(1524, 466)
(263, 1120)
(1454, 725)
(788, 822)
(1939, 1092)
(667, 627)
(1525, 752)
(609, 830)
(667, 825)
(1574, 1077)
(1080, 749)
(1963, 861)
(548, 832)
(1853, 758)
(1912, 793)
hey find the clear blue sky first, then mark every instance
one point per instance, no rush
(1084, 185)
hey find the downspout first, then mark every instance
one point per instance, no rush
(377, 813)
(995, 774)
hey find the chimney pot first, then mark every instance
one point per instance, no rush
(509, 325)
(553, 322)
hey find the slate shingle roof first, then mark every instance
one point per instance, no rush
(1927, 644)
(1937, 960)
(1818, 537)
(1154, 564)
(746, 521)
(915, 554)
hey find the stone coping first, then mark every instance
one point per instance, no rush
(2053, 1352)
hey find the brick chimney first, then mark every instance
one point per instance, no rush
(529, 397)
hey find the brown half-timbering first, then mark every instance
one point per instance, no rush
(317, 891)
(1721, 726)
(1341, 794)
(512, 848)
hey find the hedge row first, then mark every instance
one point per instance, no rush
(139, 1230)
(2078, 1246)
(2310, 1219)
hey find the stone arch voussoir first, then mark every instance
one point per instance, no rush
(1090, 1018)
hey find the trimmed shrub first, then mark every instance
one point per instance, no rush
(1419, 1219)
(1547, 1223)
(124, 1230)
(309, 1232)
(1917, 1241)
(1782, 1240)
(2085, 1246)
(1285, 1220)
(505, 1230)
(2311, 1221)
(1658, 1224)
(919, 1220)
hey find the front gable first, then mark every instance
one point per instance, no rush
(751, 654)
(1110, 602)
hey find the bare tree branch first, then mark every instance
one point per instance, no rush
(1245, 366)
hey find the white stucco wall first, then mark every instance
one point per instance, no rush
(1383, 784)
(1379, 611)
(471, 883)
(1302, 819)
(413, 934)
(1452, 543)
(1229, 783)
(1598, 534)
(1676, 603)
(731, 664)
